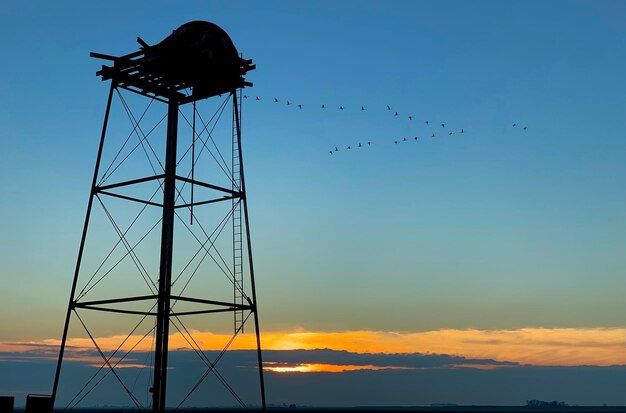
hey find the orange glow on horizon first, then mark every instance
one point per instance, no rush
(329, 368)
(533, 346)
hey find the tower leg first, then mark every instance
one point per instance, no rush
(252, 283)
(165, 273)
(81, 248)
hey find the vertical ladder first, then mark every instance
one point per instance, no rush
(238, 294)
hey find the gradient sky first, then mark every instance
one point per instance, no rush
(492, 230)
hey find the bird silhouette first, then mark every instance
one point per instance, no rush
(525, 127)
(515, 124)
(389, 108)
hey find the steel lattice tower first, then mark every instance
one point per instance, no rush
(198, 62)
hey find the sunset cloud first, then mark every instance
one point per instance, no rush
(327, 368)
(532, 346)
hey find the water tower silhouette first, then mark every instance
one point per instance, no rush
(197, 62)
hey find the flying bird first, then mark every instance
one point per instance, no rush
(427, 122)
(323, 106)
(404, 139)
(410, 117)
(349, 147)
(462, 131)
(416, 138)
(288, 103)
(388, 107)
(525, 127)
(395, 114)
(450, 134)
(299, 106)
(433, 135)
(515, 124)
(336, 149)
(362, 107)
(331, 152)
(275, 100)
(443, 125)
(258, 98)
(245, 96)
(340, 107)
(369, 143)
(360, 146)
(396, 142)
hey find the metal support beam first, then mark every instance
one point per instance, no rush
(247, 223)
(81, 248)
(219, 310)
(165, 273)
(129, 198)
(210, 201)
(114, 310)
(116, 300)
(208, 302)
(207, 185)
(131, 182)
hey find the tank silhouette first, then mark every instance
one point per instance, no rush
(199, 56)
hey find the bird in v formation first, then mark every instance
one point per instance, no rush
(416, 138)
(395, 114)
(396, 142)
(341, 107)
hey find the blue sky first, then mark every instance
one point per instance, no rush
(536, 218)
(493, 229)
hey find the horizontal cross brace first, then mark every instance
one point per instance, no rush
(92, 304)
(209, 302)
(219, 310)
(226, 198)
(101, 189)
(205, 185)
(116, 300)
(131, 182)
(115, 310)
(130, 198)
(179, 314)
